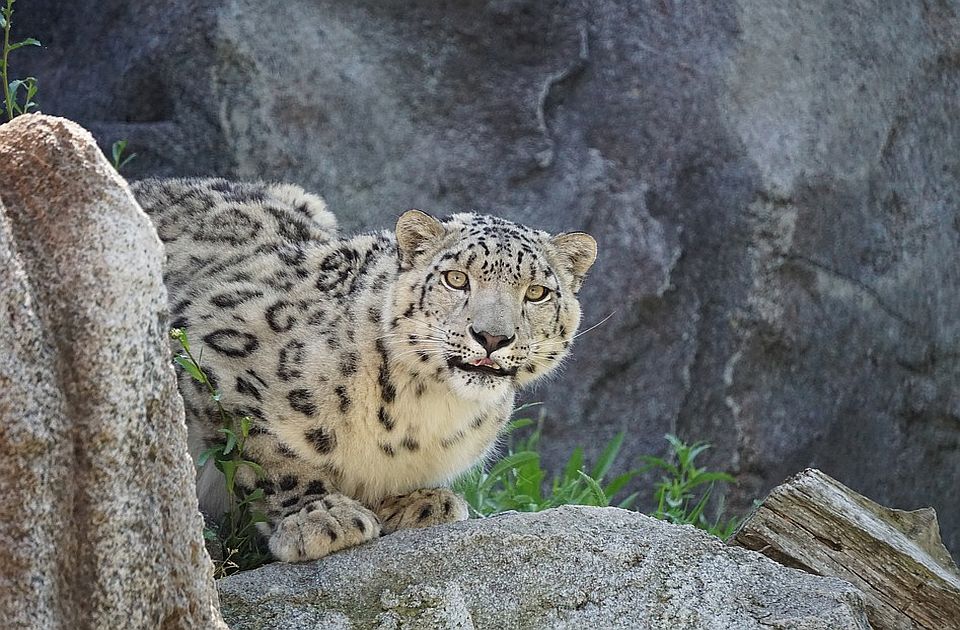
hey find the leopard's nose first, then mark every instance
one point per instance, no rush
(491, 343)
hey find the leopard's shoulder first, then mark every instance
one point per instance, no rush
(235, 214)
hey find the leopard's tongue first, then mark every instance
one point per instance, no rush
(486, 362)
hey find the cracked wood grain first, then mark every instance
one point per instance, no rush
(896, 558)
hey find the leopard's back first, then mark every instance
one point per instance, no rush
(237, 256)
(213, 228)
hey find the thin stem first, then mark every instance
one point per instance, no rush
(8, 15)
(210, 388)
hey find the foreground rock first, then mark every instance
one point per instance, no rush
(572, 567)
(99, 526)
(773, 186)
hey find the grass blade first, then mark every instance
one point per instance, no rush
(595, 491)
(607, 457)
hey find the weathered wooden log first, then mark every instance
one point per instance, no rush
(814, 523)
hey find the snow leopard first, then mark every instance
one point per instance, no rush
(376, 368)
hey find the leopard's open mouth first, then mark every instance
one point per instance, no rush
(485, 365)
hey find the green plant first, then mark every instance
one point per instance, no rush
(119, 161)
(516, 482)
(237, 533)
(11, 89)
(684, 492)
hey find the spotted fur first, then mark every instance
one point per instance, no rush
(372, 381)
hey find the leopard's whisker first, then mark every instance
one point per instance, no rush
(539, 365)
(429, 342)
(409, 335)
(579, 334)
(429, 353)
(423, 348)
(600, 323)
(426, 340)
(423, 323)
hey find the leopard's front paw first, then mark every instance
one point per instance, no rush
(422, 508)
(322, 527)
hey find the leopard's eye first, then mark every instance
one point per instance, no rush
(537, 293)
(456, 280)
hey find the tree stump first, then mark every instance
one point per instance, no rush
(814, 523)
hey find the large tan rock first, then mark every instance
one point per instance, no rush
(99, 525)
(569, 568)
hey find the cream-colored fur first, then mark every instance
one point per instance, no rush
(372, 379)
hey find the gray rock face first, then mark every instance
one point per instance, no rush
(99, 525)
(571, 567)
(774, 186)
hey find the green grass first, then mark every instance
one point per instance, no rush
(519, 482)
(237, 537)
(13, 104)
(684, 491)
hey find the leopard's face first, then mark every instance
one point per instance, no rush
(485, 305)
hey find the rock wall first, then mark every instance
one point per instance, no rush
(99, 526)
(774, 186)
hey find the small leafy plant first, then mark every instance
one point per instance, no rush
(12, 104)
(237, 533)
(516, 482)
(117, 150)
(684, 491)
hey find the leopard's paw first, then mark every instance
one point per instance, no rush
(422, 508)
(329, 524)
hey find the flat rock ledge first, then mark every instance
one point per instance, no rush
(570, 567)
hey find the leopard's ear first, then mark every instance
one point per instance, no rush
(577, 252)
(416, 232)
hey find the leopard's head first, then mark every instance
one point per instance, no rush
(485, 305)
